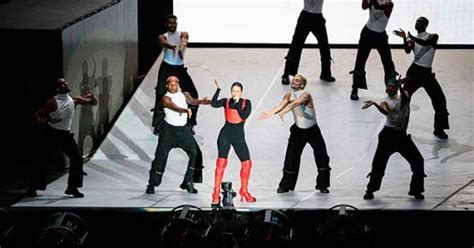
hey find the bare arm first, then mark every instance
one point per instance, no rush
(382, 107)
(184, 40)
(386, 7)
(164, 42)
(275, 110)
(432, 40)
(304, 99)
(194, 101)
(407, 44)
(88, 98)
(168, 103)
(42, 115)
(366, 4)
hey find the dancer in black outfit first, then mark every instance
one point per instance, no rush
(373, 35)
(394, 138)
(304, 131)
(236, 110)
(420, 72)
(310, 20)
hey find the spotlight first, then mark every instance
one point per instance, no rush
(6, 227)
(271, 228)
(64, 230)
(343, 229)
(188, 227)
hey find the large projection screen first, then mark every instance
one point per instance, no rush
(273, 21)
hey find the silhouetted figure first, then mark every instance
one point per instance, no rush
(86, 123)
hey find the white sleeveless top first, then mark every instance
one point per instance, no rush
(377, 20)
(175, 118)
(61, 118)
(397, 117)
(313, 6)
(171, 57)
(424, 55)
(305, 117)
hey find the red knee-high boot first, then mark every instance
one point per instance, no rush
(244, 181)
(221, 163)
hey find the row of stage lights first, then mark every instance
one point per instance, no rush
(189, 226)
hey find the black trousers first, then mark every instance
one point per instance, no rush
(391, 141)
(296, 143)
(233, 135)
(54, 141)
(185, 83)
(316, 24)
(173, 137)
(423, 77)
(368, 40)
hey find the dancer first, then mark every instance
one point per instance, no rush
(305, 130)
(373, 35)
(420, 72)
(394, 138)
(175, 134)
(58, 113)
(236, 110)
(310, 20)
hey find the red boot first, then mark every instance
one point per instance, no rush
(244, 181)
(221, 163)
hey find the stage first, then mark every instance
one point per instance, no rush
(118, 171)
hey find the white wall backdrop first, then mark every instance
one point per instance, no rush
(273, 21)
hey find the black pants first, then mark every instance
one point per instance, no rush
(298, 140)
(368, 40)
(173, 137)
(185, 83)
(391, 141)
(316, 24)
(233, 135)
(423, 77)
(54, 141)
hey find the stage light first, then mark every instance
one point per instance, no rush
(343, 229)
(228, 195)
(64, 230)
(270, 228)
(187, 227)
(6, 227)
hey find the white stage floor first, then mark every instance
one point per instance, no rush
(118, 172)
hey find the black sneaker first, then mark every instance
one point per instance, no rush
(324, 190)
(285, 80)
(188, 187)
(282, 190)
(440, 134)
(150, 189)
(74, 192)
(354, 95)
(328, 78)
(368, 195)
(418, 196)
